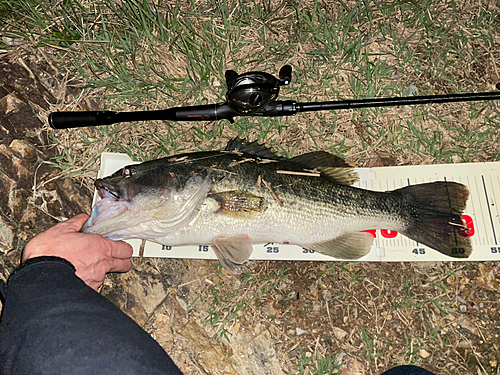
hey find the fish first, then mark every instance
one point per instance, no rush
(246, 194)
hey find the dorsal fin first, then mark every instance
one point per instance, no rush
(253, 148)
(329, 165)
(317, 159)
(340, 175)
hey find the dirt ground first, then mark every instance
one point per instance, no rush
(275, 318)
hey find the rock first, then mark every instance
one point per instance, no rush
(465, 323)
(213, 361)
(424, 353)
(339, 333)
(255, 355)
(349, 365)
(300, 332)
(196, 335)
(182, 305)
(27, 206)
(18, 118)
(163, 331)
(213, 357)
(269, 310)
(488, 278)
(427, 266)
(139, 292)
(9, 103)
(24, 149)
(6, 236)
(327, 295)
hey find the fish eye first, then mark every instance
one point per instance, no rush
(127, 172)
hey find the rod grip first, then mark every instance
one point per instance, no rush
(65, 120)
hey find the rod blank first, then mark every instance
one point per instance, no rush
(212, 112)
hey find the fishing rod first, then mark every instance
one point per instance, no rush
(251, 94)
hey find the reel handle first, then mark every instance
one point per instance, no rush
(285, 75)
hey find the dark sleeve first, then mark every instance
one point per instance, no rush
(408, 370)
(53, 323)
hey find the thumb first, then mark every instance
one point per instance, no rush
(76, 222)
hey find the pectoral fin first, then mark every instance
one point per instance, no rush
(232, 252)
(239, 203)
(351, 245)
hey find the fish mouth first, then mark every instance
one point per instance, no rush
(111, 205)
(106, 190)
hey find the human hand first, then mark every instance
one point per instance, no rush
(92, 255)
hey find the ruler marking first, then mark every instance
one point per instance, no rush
(471, 201)
(495, 197)
(489, 210)
(494, 200)
(449, 205)
(482, 226)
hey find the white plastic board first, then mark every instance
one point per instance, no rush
(482, 215)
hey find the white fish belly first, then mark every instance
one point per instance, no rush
(299, 224)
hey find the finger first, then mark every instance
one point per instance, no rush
(122, 250)
(120, 265)
(76, 222)
(95, 277)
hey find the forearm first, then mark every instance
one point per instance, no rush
(53, 323)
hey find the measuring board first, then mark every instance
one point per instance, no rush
(482, 215)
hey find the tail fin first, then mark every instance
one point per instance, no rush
(436, 217)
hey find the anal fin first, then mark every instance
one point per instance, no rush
(352, 245)
(232, 252)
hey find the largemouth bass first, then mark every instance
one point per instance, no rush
(246, 195)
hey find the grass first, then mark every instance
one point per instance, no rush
(231, 301)
(144, 55)
(316, 364)
(137, 54)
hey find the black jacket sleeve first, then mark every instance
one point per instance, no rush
(53, 323)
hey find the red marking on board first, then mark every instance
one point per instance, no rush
(469, 232)
(386, 233)
(373, 232)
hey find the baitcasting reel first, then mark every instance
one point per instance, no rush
(251, 92)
